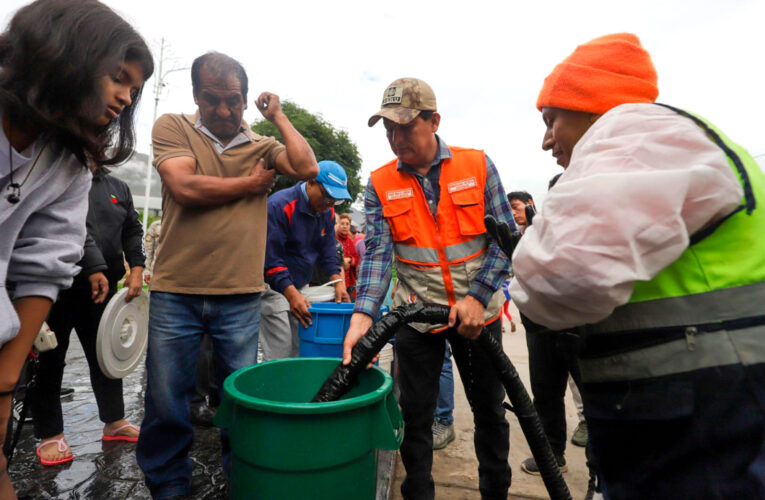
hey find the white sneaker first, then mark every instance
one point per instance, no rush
(442, 435)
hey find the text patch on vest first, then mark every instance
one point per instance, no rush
(399, 194)
(462, 184)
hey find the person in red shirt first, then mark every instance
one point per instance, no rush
(352, 259)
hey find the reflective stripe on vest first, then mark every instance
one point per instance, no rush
(719, 305)
(707, 350)
(429, 256)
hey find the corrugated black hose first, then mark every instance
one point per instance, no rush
(373, 341)
(341, 380)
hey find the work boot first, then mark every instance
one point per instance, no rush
(442, 435)
(580, 434)
(202, 415)
(529, 466)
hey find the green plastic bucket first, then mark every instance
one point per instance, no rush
(284, 447)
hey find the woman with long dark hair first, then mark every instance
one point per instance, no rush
(71, 74)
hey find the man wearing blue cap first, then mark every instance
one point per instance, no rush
(301, 235)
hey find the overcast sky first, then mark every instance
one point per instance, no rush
(485, 61)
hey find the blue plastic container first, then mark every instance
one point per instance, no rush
(324, 338)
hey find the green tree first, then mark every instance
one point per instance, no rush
(327, 144)
(151, 219)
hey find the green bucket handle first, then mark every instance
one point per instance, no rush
(389, 425)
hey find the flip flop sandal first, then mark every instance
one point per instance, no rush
(61, 446)
(122, 437)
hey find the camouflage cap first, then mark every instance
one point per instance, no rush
(403, 100)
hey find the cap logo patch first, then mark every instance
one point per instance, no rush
(400, 194)
(462, 184)
(393, 95)
(337, 179)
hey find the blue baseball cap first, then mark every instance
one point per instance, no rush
(332, 177)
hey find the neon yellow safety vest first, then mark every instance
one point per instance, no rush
(715, 284)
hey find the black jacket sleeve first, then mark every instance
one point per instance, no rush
(132, 235)
(93, 261)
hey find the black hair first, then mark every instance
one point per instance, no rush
(426, 115)
(219, 65)
(53, 56)
(519, 195)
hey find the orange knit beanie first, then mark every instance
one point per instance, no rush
(601, 74)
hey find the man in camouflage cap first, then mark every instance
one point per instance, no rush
(403, 100)
(426, 208)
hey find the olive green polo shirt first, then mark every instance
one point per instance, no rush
(211, 250)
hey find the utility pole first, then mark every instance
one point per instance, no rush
(159, 84)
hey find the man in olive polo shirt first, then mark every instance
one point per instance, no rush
(208, 273)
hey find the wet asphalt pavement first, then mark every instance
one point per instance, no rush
(102, 470)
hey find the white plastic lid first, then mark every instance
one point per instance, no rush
(123, 334)
(318, 293)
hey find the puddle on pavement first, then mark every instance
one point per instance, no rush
(105, 471)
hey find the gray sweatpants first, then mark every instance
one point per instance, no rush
(278, 327)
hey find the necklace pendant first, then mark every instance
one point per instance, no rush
(15, 193)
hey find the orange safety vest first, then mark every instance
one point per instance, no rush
(437, 259)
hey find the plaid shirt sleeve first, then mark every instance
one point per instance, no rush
(496, 266)
(375, 270)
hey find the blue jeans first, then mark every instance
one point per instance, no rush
(445, 405)
(176, 324)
